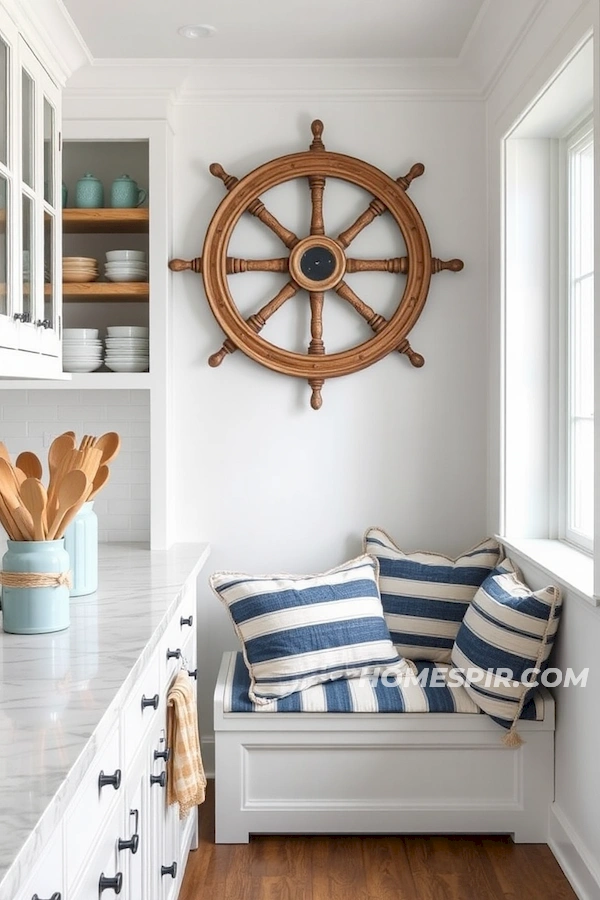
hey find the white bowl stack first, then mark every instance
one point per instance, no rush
(82, 350)
(126, 265)
(127, 348)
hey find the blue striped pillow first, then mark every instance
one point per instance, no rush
(301, 630)
(507, 629)
(426, 595)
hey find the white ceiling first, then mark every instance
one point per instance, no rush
(391, 29)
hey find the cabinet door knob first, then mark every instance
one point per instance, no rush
(115, 780)
(188, 621)
(174, 654)
(55, 896)
(169, 870)
(159, 779)
(111, 884)
(23, 317)
(43, 323)
(193, 673)
(150, 701)
(131, 844)
(163, 754)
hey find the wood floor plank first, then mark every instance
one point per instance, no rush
(370, 868)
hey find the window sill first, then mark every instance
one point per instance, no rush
(572, 569)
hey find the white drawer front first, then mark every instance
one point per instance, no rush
(141, 710)
(91, 804)
(47, 879)
(105, 860)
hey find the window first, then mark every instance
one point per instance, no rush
(578, 491)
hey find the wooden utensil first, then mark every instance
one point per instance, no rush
(29, 463)
(110, 444)
(71, 492)
(17, 513)
(102, 476)
(33, 494)
(59, 447)
(8, 523)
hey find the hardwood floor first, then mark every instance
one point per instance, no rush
(370, 868)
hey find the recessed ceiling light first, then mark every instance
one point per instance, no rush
(196, 31)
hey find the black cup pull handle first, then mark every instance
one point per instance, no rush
(55, 896)
(189, 621)
(150, 701)
(105, 780)
(163, 754)
(131, 844)
(111, 884)
(174, 654)
(169, 870)
(193, 673)
(159, 779)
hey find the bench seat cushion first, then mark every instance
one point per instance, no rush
(367, 695)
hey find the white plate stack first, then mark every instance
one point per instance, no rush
(82, 350)
(126, 265)
(127, 348)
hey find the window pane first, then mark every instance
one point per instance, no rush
(582, 468)
(583, 347)
(28, 256)
(49, 239)
(3, 101)
(3, 246)
(48, 153)
(27, 127)
(583, 224)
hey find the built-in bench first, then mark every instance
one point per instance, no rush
(363, 756)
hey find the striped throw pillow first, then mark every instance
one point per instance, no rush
(297, 631)
(426, 595)
(504, 642)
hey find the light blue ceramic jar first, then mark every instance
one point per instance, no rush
(89, 193)
(125, 193)
(81, 543)
(35, 610)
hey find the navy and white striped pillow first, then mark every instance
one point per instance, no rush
(300, 630)
(508, 630)
(426, 595)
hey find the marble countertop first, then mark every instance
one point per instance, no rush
(60, 693)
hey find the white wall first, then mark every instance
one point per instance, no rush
(272, 484)
(574, 821)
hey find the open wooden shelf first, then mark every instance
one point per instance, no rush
(116, 292)
(106, 221)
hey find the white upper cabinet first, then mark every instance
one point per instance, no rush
(30, 212)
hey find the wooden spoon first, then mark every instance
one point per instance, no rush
(71, 492)
(59, 448)
(109, 444)
(29, 463)
(18, 513)
(35, 499)
(102, 476)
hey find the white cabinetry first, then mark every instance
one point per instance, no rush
(30, 211)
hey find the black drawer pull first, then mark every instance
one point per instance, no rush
(169, 870)
(56, 895)
(193, 673)
(163, 754)
(188, 621)
(105, 780)
(159, 779)
(174, 654)
(150, 701)
(111, 884)
(132, 844)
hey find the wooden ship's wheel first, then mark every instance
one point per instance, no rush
(316, 263)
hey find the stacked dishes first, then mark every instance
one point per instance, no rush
(127, 348)
(82, 350)
(126, 265)
(79, 268)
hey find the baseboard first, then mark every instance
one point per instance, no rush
(573, 856)
(208, 755)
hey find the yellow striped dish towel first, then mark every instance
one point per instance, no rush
(186, 781)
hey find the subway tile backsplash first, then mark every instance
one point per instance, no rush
(29, 420)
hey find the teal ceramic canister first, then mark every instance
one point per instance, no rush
(89, 192)
(81, 543)
(35, 610)
(125, 193)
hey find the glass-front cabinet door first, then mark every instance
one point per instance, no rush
(30, 210)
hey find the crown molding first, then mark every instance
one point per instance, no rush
(52, 34)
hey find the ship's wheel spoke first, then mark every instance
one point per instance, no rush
(316, 346)
(257, 321)
(396, 265)
(317, 188)
(258, 209)
(235, 265)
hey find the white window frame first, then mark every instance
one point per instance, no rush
(576, 139)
